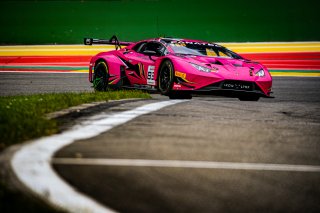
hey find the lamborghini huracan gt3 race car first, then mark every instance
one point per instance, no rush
(178, 68)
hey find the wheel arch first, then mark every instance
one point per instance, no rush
(100, 75)
(100, 60)
(159, 67)
(158, 75)
(114, 64)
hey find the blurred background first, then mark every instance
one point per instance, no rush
(67, 22)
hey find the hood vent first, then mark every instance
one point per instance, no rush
(237, 65)
(217, 62)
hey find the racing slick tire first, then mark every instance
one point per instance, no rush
(166, 80)
(100, 76)
(166, 77)
(249, 98)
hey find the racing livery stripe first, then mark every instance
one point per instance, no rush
(274, 72)
(44, 59)
(53, 50)
(282, 56)
(297, 73)
(279, 57)
(292, 74)
(44, 71)
(313, 73)
(84, 50)
(271, 64)
(44, 67)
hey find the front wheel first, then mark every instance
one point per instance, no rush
(166, 77)
(100, 76)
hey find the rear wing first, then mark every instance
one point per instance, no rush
(113, 40)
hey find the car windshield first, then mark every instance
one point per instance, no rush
(202, 49)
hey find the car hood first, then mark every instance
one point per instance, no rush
(212, 62)
(227, 68)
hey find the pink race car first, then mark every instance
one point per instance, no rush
(178, 68)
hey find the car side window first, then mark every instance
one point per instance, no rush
(139, 46)
(153, 46)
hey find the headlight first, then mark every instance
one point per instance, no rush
(260, 73)
(201, 68)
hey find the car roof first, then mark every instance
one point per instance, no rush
(168, 40)
(173, 40)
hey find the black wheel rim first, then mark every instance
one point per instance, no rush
(100, 78)
(165, 79)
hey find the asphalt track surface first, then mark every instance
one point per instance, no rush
(14, 83)
(282, 131)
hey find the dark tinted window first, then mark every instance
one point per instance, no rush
(139, 46)
(153, 46)
(212, 50)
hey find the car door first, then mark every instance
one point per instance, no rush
(143, 59)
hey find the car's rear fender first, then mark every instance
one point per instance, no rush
(113, 64)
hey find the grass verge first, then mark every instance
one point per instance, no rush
(22, 118)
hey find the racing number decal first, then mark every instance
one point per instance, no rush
(150, 78)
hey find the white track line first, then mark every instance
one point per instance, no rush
(187, 164)
(32, 163)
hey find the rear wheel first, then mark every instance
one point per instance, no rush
(249, 98)
(100, 76)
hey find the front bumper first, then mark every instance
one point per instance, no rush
(233, 88)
